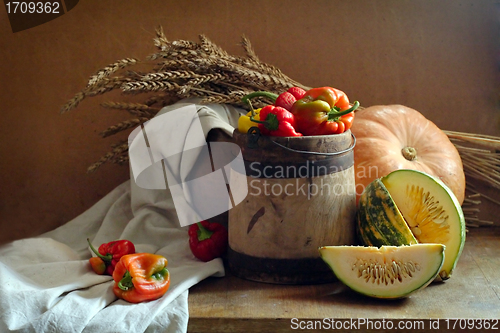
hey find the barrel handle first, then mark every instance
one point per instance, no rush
(253, 136)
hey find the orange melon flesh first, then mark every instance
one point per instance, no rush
(431, 210)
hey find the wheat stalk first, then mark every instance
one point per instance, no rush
(117, 150)
(136, 109)
(126, 124)
(110, 69)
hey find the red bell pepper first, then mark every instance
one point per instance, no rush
(276, 121)
(207, 240)
(141, 277)
(110, 253)
(323, 111)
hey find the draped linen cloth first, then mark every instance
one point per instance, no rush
(47, 285)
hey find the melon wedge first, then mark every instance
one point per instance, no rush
(379, 221)
(387, 272)
(407, 207)
(431, 211)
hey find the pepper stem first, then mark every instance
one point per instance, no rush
(246, 99)
(126, 282)
(106, 258)
(203, 233)
(271, 122)
(160, 274)
(334, 114)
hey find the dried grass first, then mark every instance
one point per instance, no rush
(480, 156)
(471, 210)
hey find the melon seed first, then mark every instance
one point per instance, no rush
(424, 207)
(416, 231)
(385, 273)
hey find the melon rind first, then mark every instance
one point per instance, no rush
(344, 262)
(379, 221)
(396, 183)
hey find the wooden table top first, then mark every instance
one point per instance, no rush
(231, 304)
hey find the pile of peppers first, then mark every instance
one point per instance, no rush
(138, 277)
(141, 277)
(296, 112)
(109, 254)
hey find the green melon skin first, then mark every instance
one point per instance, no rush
(388, 272)
(379, 221)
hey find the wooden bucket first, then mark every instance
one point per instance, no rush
(301, 195)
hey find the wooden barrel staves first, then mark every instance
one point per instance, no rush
(301, 195)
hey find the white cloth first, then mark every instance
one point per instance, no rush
(47, 285)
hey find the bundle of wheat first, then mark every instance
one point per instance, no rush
(180, 69)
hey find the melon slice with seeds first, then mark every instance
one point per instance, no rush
(431, 211)
(386, 272)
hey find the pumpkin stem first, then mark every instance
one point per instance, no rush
(409, 153)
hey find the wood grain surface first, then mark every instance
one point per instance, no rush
(231, 304)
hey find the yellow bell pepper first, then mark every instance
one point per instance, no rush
(244, 122)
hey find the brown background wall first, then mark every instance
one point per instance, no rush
(438, 56)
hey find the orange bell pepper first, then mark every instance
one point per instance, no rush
(141, 277)
(323, 111)
(98, 265)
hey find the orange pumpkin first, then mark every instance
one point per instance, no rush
(392, 137)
